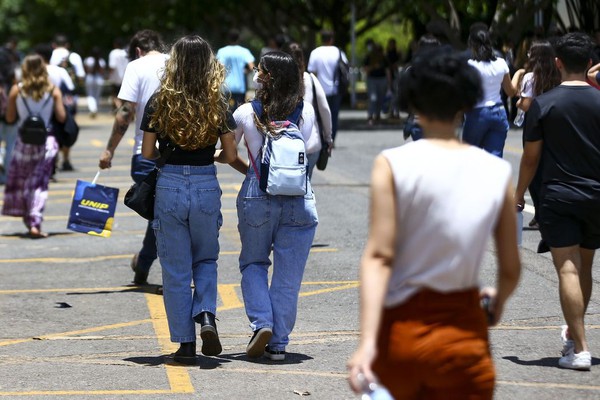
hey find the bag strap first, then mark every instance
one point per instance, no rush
(316, 107)
(43, 104)
(293, 117)
(164, 156)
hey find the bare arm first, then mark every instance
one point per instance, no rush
(375, 269)
(524, 103)
(507, 85)
(593, 72)
(59, 109)
(228, 151)
(124, 116)
(149, 150)
(11, 106)
(509, 265)
(517, 79)
(529, 164)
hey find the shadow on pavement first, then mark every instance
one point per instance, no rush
(542, 362)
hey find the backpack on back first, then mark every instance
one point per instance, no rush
(33, 130)
(283, 162)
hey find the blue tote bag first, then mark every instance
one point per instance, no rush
(93, 208)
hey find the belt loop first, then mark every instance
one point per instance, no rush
(186, 170)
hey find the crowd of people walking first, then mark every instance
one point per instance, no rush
(420, 298)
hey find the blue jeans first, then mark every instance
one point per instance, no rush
(376, 88)
(187, 222)
(285, 224)
(8, 136)
(140, 168)
(486, 127)
(335, 102)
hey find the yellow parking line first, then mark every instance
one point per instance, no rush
(77, 332)
(75, 260)
(329, 290)
(84, 392)
(229, 296)
(178, 376)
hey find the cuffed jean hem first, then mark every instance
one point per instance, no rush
(211, 310)
(183, 339)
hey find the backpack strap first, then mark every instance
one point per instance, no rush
(43, 104)
(293, 117)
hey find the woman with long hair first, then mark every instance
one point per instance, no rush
(31, 165)
(420, 310)
(284, 224)
(486, 125)
(315, 95)
(188, 116)
(541, 75)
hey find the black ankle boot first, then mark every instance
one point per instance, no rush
(211, 346)
(186, 353)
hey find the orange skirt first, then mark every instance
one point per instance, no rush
(435, 346)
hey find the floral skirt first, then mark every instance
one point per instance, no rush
(26, 189)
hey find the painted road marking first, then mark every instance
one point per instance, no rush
(77, 260)
(178, 376)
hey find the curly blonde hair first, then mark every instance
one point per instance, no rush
(189, 108)
(35, 77)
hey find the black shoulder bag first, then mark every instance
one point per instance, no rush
(324, 152)
(140, 196)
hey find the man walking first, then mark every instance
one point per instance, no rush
(323, 62)
(141, 79)
(563, 127)
(238, 62)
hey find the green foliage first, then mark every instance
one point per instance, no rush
(393, 28)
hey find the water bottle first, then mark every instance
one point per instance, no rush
(519, 224)
(519, 118)
(374, 391)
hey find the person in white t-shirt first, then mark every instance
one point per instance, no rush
(141, 79)
(94, 79)
(117, 62)
(315, 95)
(72, 62)
(435, 203)
(323, 62)
(486, 125)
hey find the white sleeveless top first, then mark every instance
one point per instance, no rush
(36, 108)
(448, 202)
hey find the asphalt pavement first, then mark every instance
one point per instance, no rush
(73, 326)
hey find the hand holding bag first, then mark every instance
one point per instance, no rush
(93, 208)
(140, 196)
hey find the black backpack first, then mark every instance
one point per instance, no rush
(33, 130)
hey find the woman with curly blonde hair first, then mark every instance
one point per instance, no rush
(188, 116)
(31, 165)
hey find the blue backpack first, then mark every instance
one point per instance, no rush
(283, 162)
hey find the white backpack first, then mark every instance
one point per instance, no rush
(283, 162)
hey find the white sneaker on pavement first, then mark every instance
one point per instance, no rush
(581, 361)
(566, 342)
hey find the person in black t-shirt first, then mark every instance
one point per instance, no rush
(189, 112)
(563, 126)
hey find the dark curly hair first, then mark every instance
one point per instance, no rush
(441, 84)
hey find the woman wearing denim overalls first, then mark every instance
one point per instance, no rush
(284, 224)
(189, 113)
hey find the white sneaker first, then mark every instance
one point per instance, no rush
(567, 343)
(580, 361)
